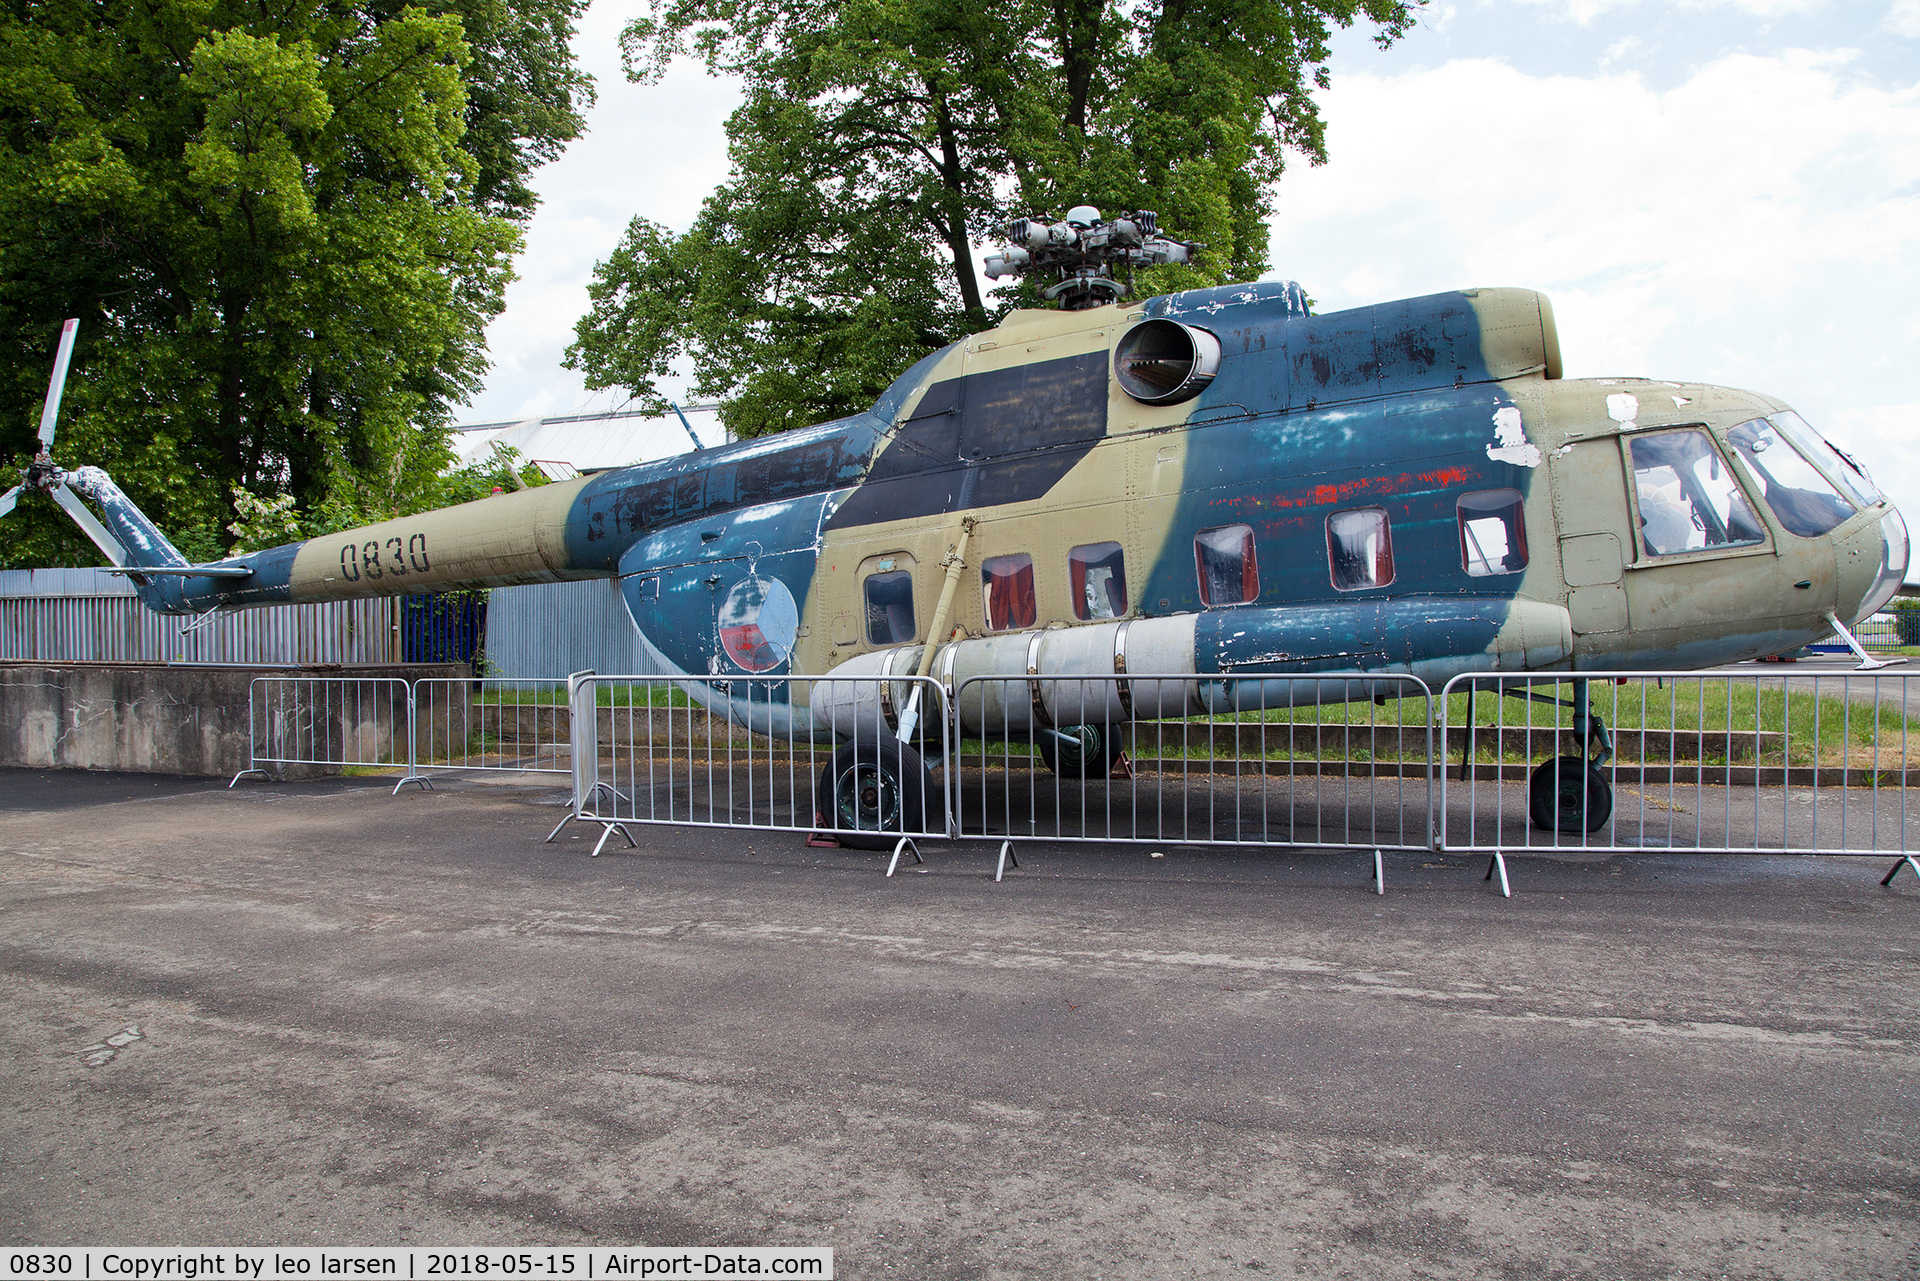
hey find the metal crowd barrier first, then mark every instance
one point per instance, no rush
(498, 725)
(1196, 760)
(1754, 761)
(337, 721)
(767, 753)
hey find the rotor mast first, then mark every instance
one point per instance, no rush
(1091, 259)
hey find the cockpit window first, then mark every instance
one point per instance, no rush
(1836, 463)
(1805, 501)
(1688, 498)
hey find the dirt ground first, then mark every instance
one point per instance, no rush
(317, 1014)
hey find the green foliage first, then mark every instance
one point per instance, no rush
(284, 230)
(882, 140)
(262, 522)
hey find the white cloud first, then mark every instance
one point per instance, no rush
(655, 151)
(1757, 225)
(1903, 19)
(1585, 11)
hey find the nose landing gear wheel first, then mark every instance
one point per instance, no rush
(1079, 751)
(1569, 794)
(873, 793)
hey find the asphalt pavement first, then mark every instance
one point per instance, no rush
(320, 1014)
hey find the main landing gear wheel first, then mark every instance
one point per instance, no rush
(874, 793)
(1079, 752)
(1569, 794)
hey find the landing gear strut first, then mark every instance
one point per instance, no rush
(1571, 793)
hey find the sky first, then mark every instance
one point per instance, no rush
(1719, 191)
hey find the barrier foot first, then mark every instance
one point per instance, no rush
(1379, 874)
(243, 773)
(421, 779)
(556, 828)
(1006, 856)
(905, 843)
(1499, 863)
(1906, 860)
(610, 827)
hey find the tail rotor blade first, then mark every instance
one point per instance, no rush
(8, 499)
(109, 546)
(58, 384)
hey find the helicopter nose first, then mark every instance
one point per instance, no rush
(1894, 550)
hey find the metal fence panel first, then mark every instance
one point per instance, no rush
(1759, 760)
(497, 725)
(1307, 761)
(336, 721)
(91, 616)
(799, 754)
(546, 631)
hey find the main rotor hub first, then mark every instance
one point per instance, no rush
(1083, 252)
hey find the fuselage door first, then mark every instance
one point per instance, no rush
(1590, 508)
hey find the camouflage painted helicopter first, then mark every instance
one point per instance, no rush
(1215, 484)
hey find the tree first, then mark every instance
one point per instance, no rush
(284, 229)
(881, 140)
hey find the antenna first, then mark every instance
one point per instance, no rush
(684, 423)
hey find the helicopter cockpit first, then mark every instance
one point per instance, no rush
(1690, 500)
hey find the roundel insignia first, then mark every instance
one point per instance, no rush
(758, 621)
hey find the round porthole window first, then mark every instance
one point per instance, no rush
(1163, 362)
(758, 621)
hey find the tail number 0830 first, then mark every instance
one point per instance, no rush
(376, 560)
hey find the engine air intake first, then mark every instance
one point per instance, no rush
(1163, 362)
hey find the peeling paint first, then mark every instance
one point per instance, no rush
(1514, 447)
(1623, 408)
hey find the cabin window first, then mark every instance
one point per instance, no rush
(1007, 586)
(1804, 500)
(1360, 549)
(1688, 498)
(1098, 581)
(890, 608)
(1228, 572)
(1493, 532)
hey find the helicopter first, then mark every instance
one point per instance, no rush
(1215, 484)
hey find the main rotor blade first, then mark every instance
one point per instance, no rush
(102, 538)
(58, 384)
(8, 499)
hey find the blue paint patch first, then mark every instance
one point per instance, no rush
(676, 582)
(1389, 406)
(1358, 636)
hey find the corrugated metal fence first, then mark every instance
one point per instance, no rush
(91, 616)
(535, 633)
(546, 631)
